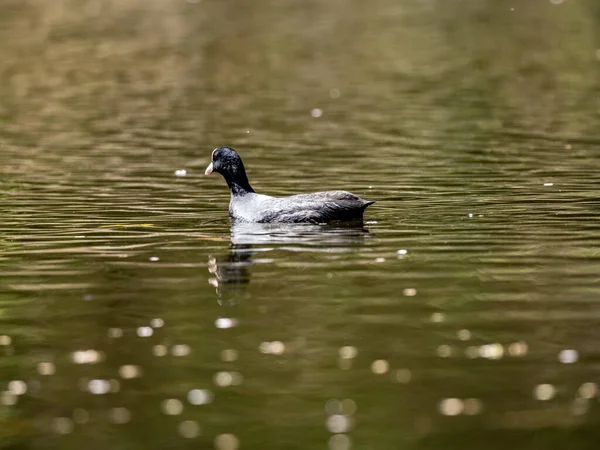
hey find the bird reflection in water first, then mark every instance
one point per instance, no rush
(231, 272)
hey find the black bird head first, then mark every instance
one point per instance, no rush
(228, 163)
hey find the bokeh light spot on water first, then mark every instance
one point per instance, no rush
(472, 352)
(568, 356)
(464, 334)
(402, 251)
(348, 407)
(273, 348)
(80, 416)
(180, 173)
(348, 352)
(115, 386)
(472, 406)
(409, 292)
(226, 442)
(17, 387)
(380, 366)
(338, 423)
(180, 350)
(145, 331)
(580, 406)
(437, 317)
(518, 349)
(189, 429)
(99, 386)
(129, 371)
(46, 368)
(451, 406)
(87, 357)
(334, 93)
(316, 113)
(223, 379)
(114, 333)
(200, 396)
(62, 425)
(229, 355)
(444, 351)
(544, 392)
(171, 407)
(588, 390)
(339, 442)
(157, 323)
(380, 260)
(344, 364)
(491, 351)
(159, 350)
(8, 398)
(119, 415)
(403, 376)
(154, 258)
(333, 406)
(5, 339)
(225, 322)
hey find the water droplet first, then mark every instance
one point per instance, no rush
(334, 93)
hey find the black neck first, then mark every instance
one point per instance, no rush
(238, 183)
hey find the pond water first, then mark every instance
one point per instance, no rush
(464, 314)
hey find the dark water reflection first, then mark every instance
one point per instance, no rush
(464, 315)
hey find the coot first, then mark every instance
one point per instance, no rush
(248, 206)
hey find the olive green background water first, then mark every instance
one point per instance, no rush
(473, 124)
